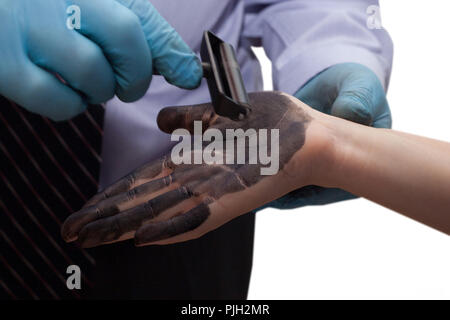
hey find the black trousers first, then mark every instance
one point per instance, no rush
(215, 266)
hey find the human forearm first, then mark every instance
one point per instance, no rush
(406, 173)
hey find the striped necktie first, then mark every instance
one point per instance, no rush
(48, 170)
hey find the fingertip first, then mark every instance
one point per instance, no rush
(165, 119)
(172, 118)
(138, 242)
(72, 226)
(66, 233)
(68, 228)
(134, 91)
(186, 73)
(192, 76)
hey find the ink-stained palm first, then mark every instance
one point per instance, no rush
(162, 202)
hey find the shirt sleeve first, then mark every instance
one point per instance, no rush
(304, 37)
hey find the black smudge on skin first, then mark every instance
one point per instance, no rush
(114, 227)
(108, 207)
(147, 171)
(275, 111)
(270, 110)
(174, 226)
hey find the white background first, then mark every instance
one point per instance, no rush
(357, 249)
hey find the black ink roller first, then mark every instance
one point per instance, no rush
(222, 72)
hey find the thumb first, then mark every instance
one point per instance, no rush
(172, 118)
(171, 56)
(355, 104)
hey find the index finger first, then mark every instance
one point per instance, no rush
(171, 56)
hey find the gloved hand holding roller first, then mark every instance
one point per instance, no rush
(114, 52)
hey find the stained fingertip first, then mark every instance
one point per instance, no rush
(67, 229)
(168, 119)
(73, 224)
(183, 117)
(66, 233)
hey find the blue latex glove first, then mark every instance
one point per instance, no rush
(350, 91)
(112, 53)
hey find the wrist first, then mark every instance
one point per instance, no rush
(332, 146)
(311, 164)
(327, 154)
(346, 151)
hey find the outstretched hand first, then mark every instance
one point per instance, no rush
(166, 201)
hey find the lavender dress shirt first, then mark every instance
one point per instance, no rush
(300, 37)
